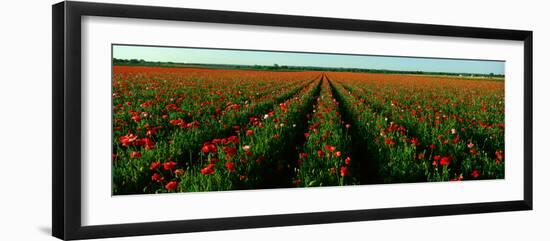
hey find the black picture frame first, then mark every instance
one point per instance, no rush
(66, 128)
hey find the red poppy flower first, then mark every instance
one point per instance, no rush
(171, 185)
(169, 165)
(344, 171)
(148, 143)
(500, 156)
(249, 132)
(136, 118)
(156, 178)
(320, 153)
(445, 160)
(154, 165)
(205, 149)
(209, 147)
(179, 172)
(276, 136)
(306, 134)
(475, 173)
(437, 157)
(127, 139)
(229, 151)
(146, 104)
(456, 139)
(389, 141)
(348, 126)
(151, 132)
(233, 139)
(230, 166)
(330, 148)
(347, 160)
(135, 154)
(303, 155)
(176, 122)
(216, 141)
(415, 141)
(209, 169)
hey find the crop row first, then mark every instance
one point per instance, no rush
(324, 159)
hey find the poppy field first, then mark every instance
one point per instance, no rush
(199, 129)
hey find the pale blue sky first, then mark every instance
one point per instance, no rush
(246, 57)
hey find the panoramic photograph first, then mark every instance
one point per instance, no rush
(200, 119)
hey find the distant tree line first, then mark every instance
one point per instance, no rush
(137, 62)
(276, 67)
